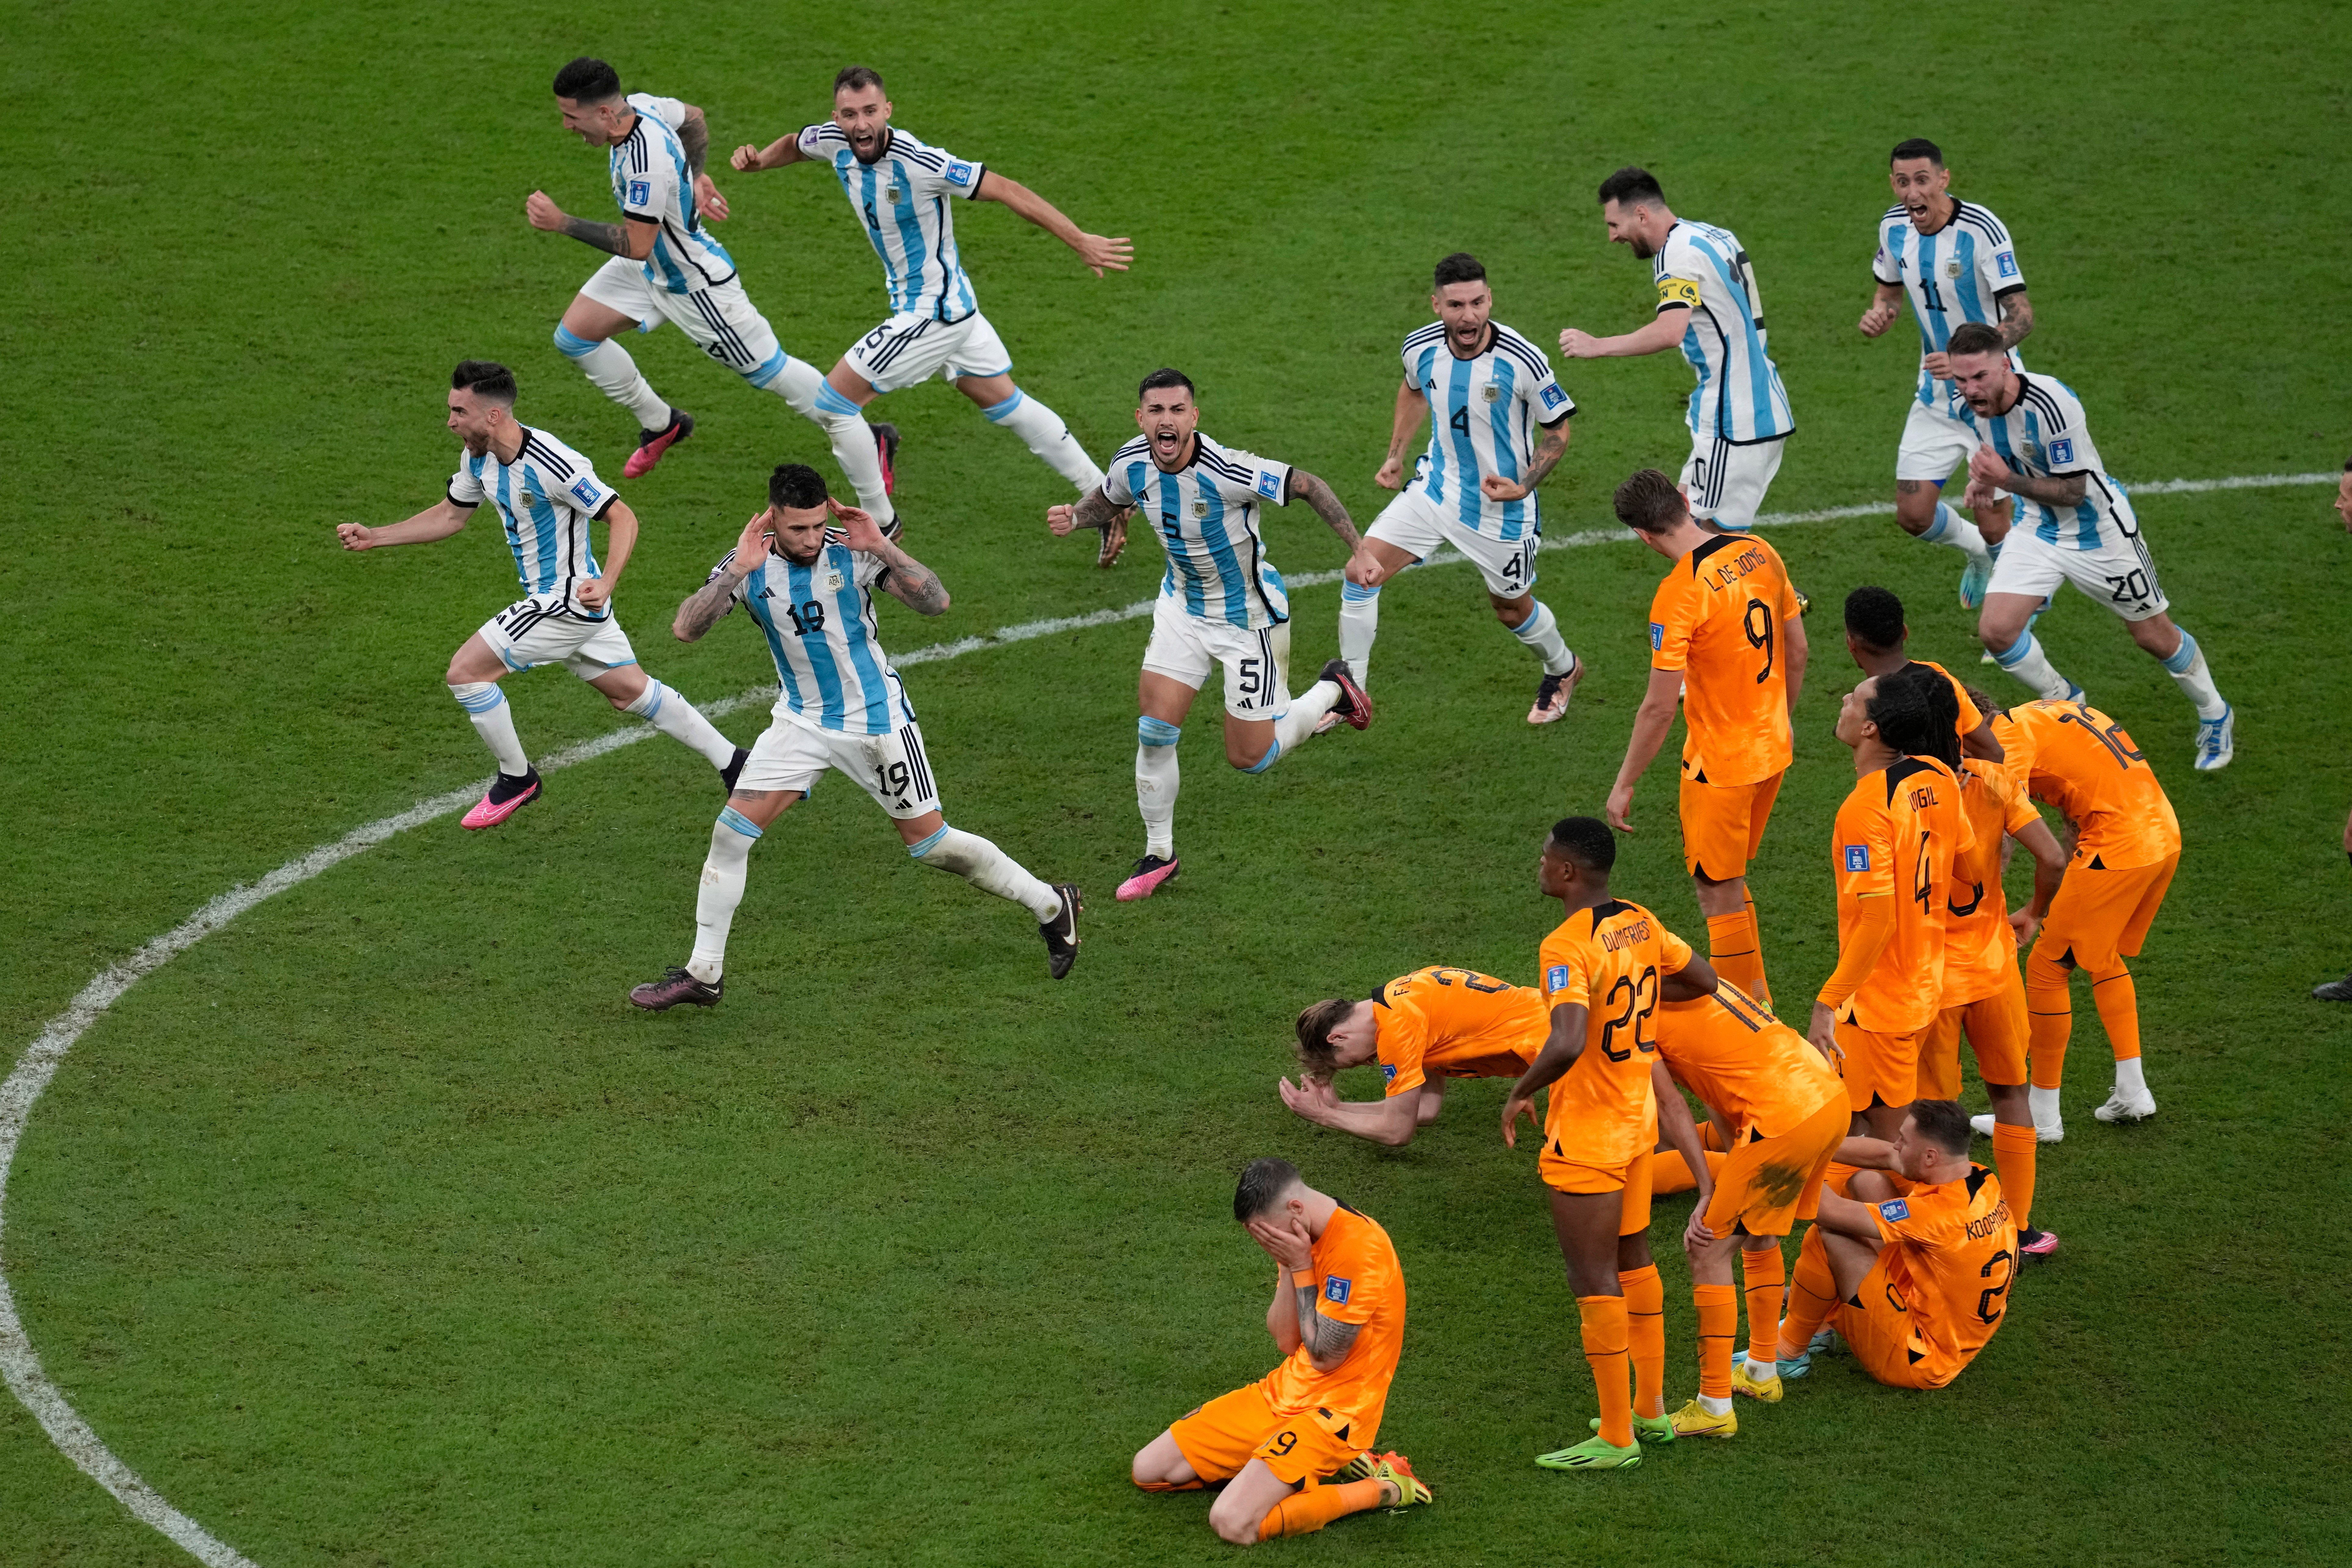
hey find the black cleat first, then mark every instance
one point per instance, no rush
(1061, 933)
(2335, 990)
(886, 452)
(677, 987)
(652, 444)
(734, 769)
(1355, 705)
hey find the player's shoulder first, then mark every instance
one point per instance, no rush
(1522, 352)
(1363, 1236)
(552, 456)
(1979, 220)
(1896, 214)
(822, 139)
(1136, 446)
(915, 151)
(1420, 338)
(2048, 397)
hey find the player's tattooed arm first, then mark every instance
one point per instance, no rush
(693, 136)
(1545, 457)
(1319, 495)
(911, 583)
(2016, 318)
(703, 609)
(1327, 1344)
(1096, 511)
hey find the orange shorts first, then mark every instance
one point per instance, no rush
(1767, 1182)
(1220, 1438)
(1884, 1336)
(1723, 826)
(1997, 1033)
(2100, 916)
(1886, 1065)
(1631, 1178)
(1669, 1173)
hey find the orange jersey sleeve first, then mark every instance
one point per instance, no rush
(1717, 618)
(1358, 1280)
(1731, 1051)
(1895, 838)
(2082, 762)
(1610, 959)
(1464, 1025)
(1950, 1251)
(1979, 947)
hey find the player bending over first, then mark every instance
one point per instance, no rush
(547, 495)
(1877, 636)
(2074, 525)
(904, 194)
(1606, 968)
(1916, 1279)
(810, 589)
(1727, 640)
(1498, 425)
(1294, 1447)
(666, 267)
(1420, 1029)
(1708, 305)
(1220, 603)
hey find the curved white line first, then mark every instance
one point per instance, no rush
(21, 1366)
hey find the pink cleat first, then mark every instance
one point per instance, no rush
(1150, 873)
(1553, 693)
(506, 797)
(2037, 1243)
(652, 444)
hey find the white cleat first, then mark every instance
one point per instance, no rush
(2126, 1106)
(2055, 1132)
(2217, 740)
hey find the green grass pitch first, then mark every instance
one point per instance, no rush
(377, 1230)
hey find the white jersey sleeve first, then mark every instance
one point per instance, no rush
(869, 569)
(1884, 267)
(2066, 433)
(726, 565)
(819, 141)
(465, 487)
(1244, 477)
(1547, 402)
(1677, 273)
(1997, 268)
(649, 191)
(1115, 487)
(936, 172)
(585, 491)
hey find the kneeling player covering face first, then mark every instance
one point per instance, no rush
(1294, 1447)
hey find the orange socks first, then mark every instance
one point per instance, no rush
(1304, 1512)
(1192, 1486)
(1603, 1321)
(1733, 948)
(2013, 1149)
(1767, 1276)
(1645, 1336)
(1718, 1334)
(1763, 990)
(2049, 1017)
(1813, 1297)
(2119, 1003)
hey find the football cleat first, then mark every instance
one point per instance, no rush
(1789, 1368)
(2053, 1133)
(1397, 1470)
(2036, 1243)
(1592, 1455)
(508, 796)
(1804, 601)
(1061, 933)
(1767, 1389)
(1552, 696)
(2217, 740)
(1974, 579)
(2125, 1107)
(1151, 873)
(1359, 1469)
(1695, 1420)
(2335, 990)
(734, 769)
(1354, 706)
(885, 454)
(675, 986)
(1647, 1428)
(652, 444)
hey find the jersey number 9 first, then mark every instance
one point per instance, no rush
(1758, 623)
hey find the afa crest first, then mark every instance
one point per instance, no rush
(1491, 393)
(1200, 511)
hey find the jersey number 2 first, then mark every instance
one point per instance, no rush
(1636, 1015)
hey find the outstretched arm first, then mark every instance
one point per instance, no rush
(438, 520)
(1663, 333)
(1306, 487)
(631, 239)
(1093, 249)
(786, 149)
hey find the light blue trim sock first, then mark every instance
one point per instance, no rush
(1151, 731)
(741, 822)
(1273, 755)
(998, 413)
(573, 346)
(723, 875)
(2195, 678)
(927, 845)
(1360, 623)
(831, 401)
(2024, 660)
(486, 705)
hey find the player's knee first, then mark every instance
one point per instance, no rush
(573, 346)
(1512, 612)
(1249, 763)
(1869, 1187)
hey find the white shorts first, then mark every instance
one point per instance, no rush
(1185, 646)
(1934, 443)
(1727, 483)
(543, 630)
(2120, 573)
(791, 753)
(1419, 526)
(907, 348)
(722, 321)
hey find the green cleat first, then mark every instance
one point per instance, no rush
(1594, 1455)
(1648, 1429)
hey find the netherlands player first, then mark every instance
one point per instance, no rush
(1727, 640)
(810, 587)
(1877, 636)
(666, 267)
(1957, 263)
(1606, 968)
(1419, 1029)
(903, 193)
(1294, 1449)
(2074, 525)
(1498, 426)
(1220, 603)
(1708, 306)
(546, 495)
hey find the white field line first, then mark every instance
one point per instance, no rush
(21, 1366)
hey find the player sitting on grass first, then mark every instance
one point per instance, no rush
(1914, 1277)
(1294, 1447)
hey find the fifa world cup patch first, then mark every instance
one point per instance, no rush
(960, 173)
(1857, 856)
(1895, 1209)
(1335, 1288)
(641, 193)
(1556, 977)
(2061, 450)
(1553, 397)
(1269, 486)
(1388, 1071)
(2005, 263)
(1657, 635)
(583, 492)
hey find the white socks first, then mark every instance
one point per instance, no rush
(1714, 1406)
(844, 424)
(1540, 632)
(1955, 528)
(731, 838)
(1156, 784)
(1359, 623)
(2187, 668)
(989, 868)
(674, 716)
(608, 364)
(1306, 712)
(2044, 1103)
(494, 723)
(1047, 436)
(2130, 1079)
(1763, 1371)
(2024, 660)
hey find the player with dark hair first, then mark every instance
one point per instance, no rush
(1294, 1447)
(1914, 1279)
(1876, 636)
(1727, 642)
(546, 495)
(1419, 1029)
(1955, 262)
(1606, 968)
(1220, 603)
(1497, 426)
(1709, 307)
(806, 568)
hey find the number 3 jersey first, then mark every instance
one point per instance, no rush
(1483, 416)
(1719, 618)
(819, 623)
(1608, 959)
(1896, 836)
(1206, 516)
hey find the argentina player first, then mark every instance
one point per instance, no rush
(666, 267)
(903, 193)
(1220, 603)
(546, 494)
(810, 591)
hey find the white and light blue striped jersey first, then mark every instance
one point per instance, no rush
(1955, 275)
(651, 183)
(2044, 435)
(547, 497)
(1206, 516)
(1739, 398)
(902, 199)
(819, 623)
(1483, 416)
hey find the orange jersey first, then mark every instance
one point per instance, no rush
(1717, 618)
(1950, 1252)
(1731, 1051)
(1456, 1023)
(2080, 761)
(1358, 1280)
(1970, 715)
(1608, 959)
(1896, 839)
(1979, 947)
